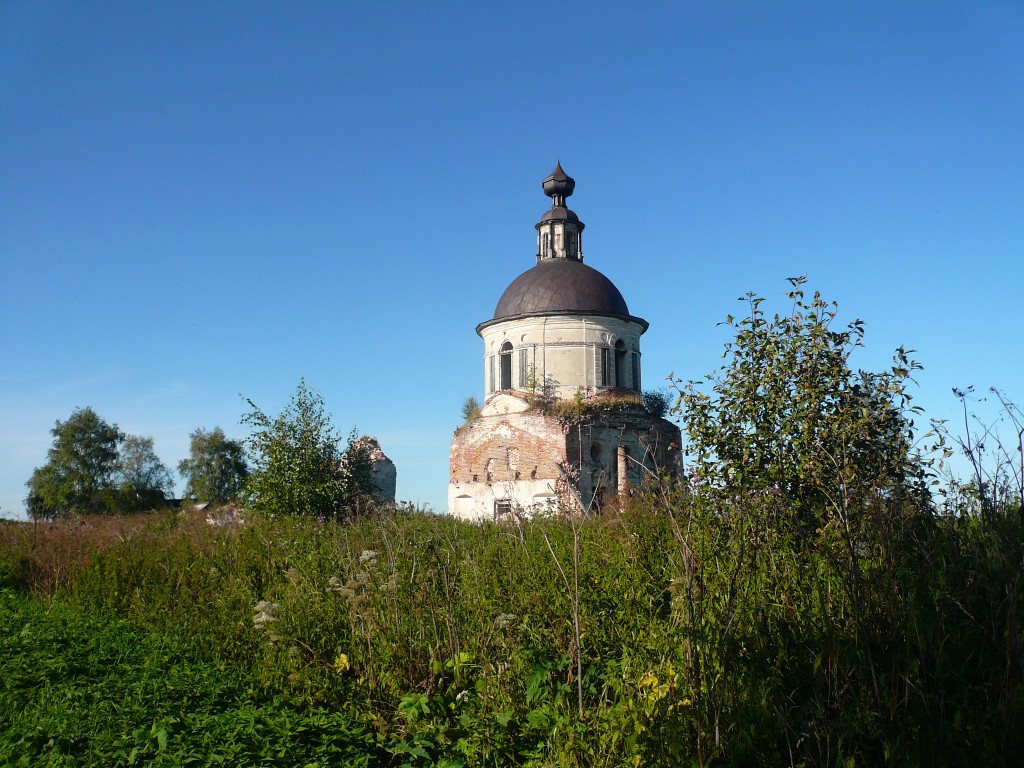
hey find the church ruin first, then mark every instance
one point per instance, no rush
(563, 427)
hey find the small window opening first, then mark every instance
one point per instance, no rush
(502, 509)
(605, 373)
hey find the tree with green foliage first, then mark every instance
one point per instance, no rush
(787, 414)
(470, 409)
(298, 468)
(356, 471)
(78, 477)
(216, 469)
(144, 480)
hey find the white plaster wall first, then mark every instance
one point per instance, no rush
(475, 501)
(562, 349)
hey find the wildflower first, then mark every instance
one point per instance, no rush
(461, 696)
(265, 616)
(504, 620)
(341, 663)
(368, 557)
(293, 575)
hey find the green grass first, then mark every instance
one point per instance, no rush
(79, 690)
(682, 631)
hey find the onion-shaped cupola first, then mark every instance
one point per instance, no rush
(559, 231)
(560, 283)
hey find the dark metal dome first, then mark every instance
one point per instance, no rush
(561, 285)
(561, 213)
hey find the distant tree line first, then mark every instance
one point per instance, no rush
(295, 465)
(94, 467)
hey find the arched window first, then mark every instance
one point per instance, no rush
(620, 364)
(506, 365)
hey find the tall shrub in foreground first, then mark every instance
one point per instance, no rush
(298, 467)
(788, 426)
(787, 414)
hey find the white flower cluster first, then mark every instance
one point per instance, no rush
(367, 557)
(266, 616)
(504, 620)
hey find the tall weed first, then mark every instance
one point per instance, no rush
(684, 629)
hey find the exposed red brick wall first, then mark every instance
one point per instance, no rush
(538, 441)
(496, 450)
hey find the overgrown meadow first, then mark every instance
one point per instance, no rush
(811, 592)
(679, 631)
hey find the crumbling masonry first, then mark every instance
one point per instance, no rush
(563, 428)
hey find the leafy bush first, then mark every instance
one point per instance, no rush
(298, 468)
(787, 413)
(657, 402)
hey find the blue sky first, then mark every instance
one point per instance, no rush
(201, 202)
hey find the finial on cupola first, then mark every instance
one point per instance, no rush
(559, 185)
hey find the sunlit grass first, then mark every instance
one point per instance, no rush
(677, 631)
(82, 690)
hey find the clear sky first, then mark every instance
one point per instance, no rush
(201, 201)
